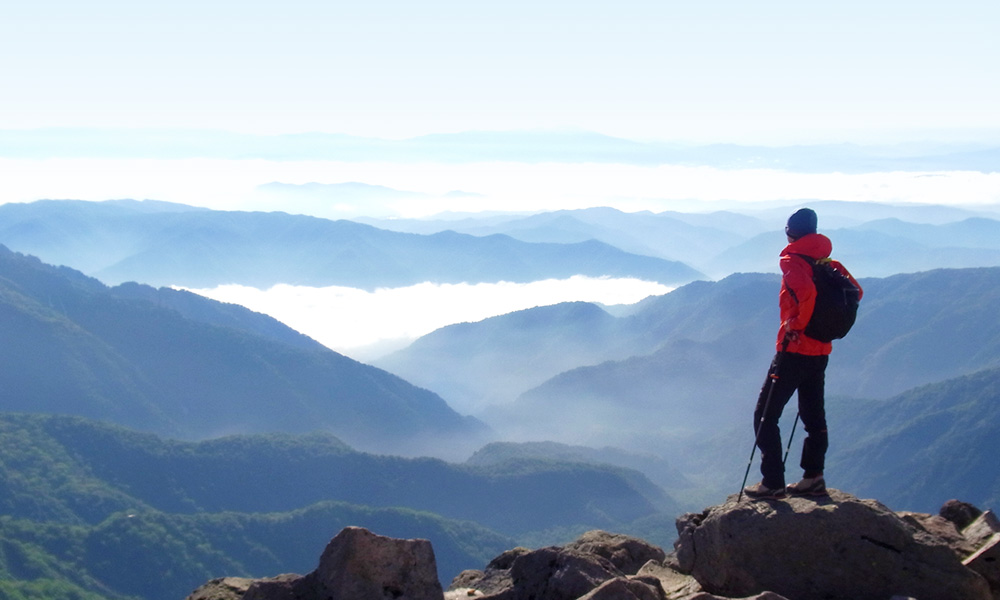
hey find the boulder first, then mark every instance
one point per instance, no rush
(359, 564)
(462, 594)
(276, 588)
(495, 579)
(959, 513)
(625, 588)
(676, 585)
(626, 553)
(828, 548)
(941, 528)
(986, 562)
(223, 588)
(356, 565)
(555, 573)
(578, 569)
(239, 588)
(982, 528)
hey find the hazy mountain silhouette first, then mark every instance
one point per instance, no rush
(497, 358)
(659, 470)
(474, 364)
(164, 244)
(697, 356)
(168, 362)
(920, 328)
(671, 236)
(924, 446)
(911, 330)
(880, 248)
(914, 450)
(131, 241)
(879, 239)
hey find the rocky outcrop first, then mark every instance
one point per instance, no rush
(959, 513)
(828, 548)
(626, 553)
(597, 566)
(984, 532)
(356, 565)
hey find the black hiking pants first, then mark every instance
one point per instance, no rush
(790, 372)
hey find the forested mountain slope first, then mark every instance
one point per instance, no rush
(912, 451)
(130, 355)
(108, 509)
(927, 445)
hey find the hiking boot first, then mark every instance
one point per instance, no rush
(809, 486)
(759, 491)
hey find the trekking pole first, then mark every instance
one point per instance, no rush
(790, 436)
(773, 379)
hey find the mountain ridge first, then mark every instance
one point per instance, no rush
(118, 513)
(74, 345)
(202, 248)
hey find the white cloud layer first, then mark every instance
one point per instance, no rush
(364, 324)
(232, 185)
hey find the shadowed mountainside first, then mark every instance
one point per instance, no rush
(706, 342)
(93, 506)
(130, 355)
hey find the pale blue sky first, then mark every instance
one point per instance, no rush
(715, 70)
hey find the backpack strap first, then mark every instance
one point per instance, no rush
(791, 292)
(812, 261)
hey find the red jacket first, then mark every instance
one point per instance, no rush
(796, 274)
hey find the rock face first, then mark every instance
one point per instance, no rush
(356, 565)
(959, 513)
(626, 553)
(597, 566)
(828, 548)
(360, 564)
(984, 533)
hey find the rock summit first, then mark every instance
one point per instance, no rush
(835, 547)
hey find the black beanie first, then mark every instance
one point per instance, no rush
(802, 222)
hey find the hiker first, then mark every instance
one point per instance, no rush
(800, 364)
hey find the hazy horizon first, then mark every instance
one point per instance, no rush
(105, 100)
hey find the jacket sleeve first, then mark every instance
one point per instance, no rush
(797, 278)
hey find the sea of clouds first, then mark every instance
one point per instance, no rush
(368, 324)
(234, 185)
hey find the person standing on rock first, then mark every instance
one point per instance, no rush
(800, 364)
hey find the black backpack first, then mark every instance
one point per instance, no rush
(837, 300)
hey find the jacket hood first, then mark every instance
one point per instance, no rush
(813, 245)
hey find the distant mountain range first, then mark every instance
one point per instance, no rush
(925, 446)
(166, 244)
(913, 451)
(876, 240)
(487, 146)
(694, 359)
(178, 364)
(612, 417)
